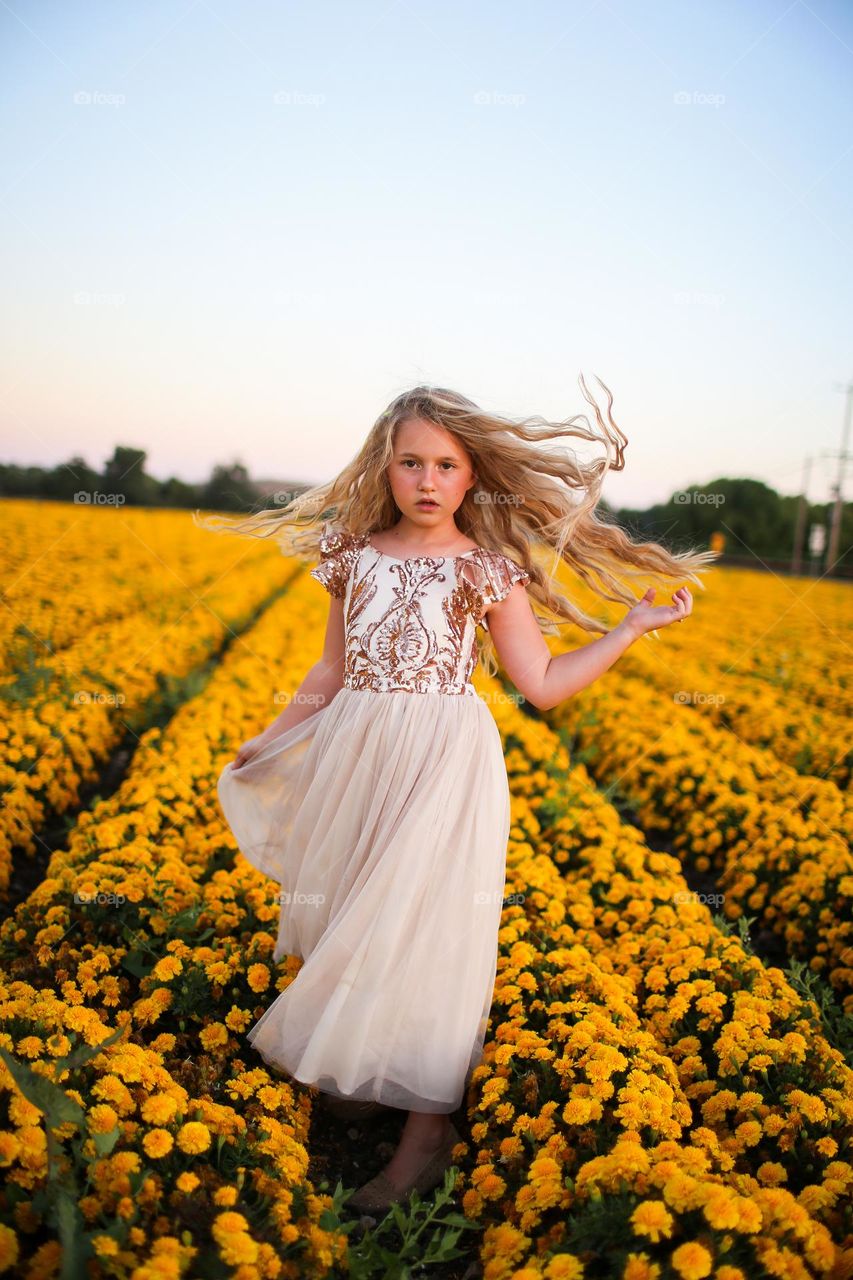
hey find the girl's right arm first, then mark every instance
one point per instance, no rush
(320, 685)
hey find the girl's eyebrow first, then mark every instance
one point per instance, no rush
(447, 457)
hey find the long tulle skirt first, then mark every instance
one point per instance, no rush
(384, 816)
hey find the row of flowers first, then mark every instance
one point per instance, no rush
(187, 1156)
(63, 715)
(650, 1093)
(620, 1013)
(777, 841)
(774, 675)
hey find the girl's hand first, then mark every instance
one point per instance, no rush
(643, 617)
(249, 750)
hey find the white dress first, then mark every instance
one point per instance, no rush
(384, 816)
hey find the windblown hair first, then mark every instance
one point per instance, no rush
(530, 494)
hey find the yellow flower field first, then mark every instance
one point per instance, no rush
(654, 1101)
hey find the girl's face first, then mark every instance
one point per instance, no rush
(428, 463)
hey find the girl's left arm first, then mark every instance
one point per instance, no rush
(545, 679)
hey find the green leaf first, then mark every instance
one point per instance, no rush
(52, 1101)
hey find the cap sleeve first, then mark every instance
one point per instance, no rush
(496, 575)
(338, 551)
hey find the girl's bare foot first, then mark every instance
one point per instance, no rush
(423, 1134)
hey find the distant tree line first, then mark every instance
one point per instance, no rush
(229, 488)
(750, 519)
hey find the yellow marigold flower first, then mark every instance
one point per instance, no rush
(8, 1247)
(492, 1188)
(809, 1106)
(214, 1036)
(796, 1046)
(721, 1208)
(652, 1219)
(564, 1266)
(167, 968)
(157, 1143)
(30, 1047)
(771, 1173)
(194, 1137)
(22, 1112)
(10, 1148)
(105, 1246)
(504, 1243)
(511, 1148)
(693, 1261)
(578, 1111)
(186, 1182)
(827, 1147)
(638, 1267)
(237, 1019)
(230, 1231)
(729, 1273)
(115, 1091)
(258, 977)
(58, 1045)
(749, 1133)
(225, 1196)
(159, 1109)
(102, 1119)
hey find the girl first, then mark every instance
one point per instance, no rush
(379, 797)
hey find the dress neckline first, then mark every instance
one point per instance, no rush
(414, 559)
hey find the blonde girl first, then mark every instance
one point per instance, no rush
(379, 797)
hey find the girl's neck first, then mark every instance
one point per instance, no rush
(408, 537)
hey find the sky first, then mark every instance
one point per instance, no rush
(236, 231)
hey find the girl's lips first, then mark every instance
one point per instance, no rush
(424, 503)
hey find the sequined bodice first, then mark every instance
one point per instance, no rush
(410, 625)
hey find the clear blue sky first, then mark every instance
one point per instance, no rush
(238, 230)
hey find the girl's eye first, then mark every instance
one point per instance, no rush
(452, 465)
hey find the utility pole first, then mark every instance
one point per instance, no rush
(802, 515)
(838, 508)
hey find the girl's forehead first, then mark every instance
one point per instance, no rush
(420, 436)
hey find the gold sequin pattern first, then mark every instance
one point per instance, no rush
(410, 625)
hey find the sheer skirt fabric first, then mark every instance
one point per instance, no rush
(385, 818)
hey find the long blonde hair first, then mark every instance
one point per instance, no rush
(528, 495)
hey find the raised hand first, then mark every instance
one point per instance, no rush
(646, 617)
